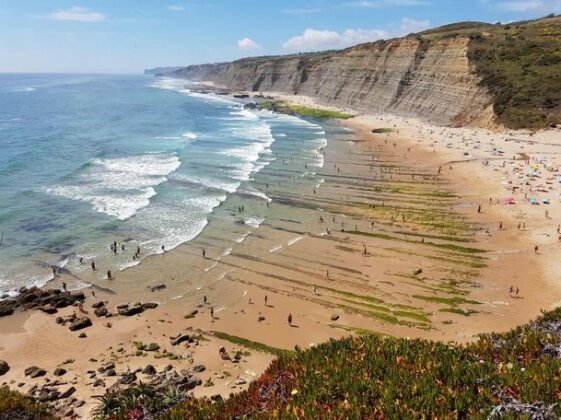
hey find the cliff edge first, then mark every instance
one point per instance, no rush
(462, 74)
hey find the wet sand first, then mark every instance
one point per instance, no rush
(385, 243)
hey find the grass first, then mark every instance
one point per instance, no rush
(453, 301)
(305, 111)
(382, 130)
(254, 345)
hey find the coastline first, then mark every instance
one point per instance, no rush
(372, 292)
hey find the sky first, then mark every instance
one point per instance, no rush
(127, 36)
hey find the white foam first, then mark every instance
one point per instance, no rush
(242, 238)
(253, 222)
(120, 187)
(190, 136)
(293, 241)
(257, 194)
(275, 249)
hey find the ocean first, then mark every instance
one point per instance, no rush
(90, 159)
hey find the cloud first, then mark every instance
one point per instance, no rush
(378, 4)
(76, 14)
(247, 44)
(313, 39)
(408, 26)
(176, 8)
(527, 6)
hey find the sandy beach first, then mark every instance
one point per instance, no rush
(416, 231)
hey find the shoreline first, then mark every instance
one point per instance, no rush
(371, 292)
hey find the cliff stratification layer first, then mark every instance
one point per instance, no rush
(411, 76)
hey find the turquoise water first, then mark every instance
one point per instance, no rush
(85, 160)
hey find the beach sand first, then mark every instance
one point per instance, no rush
(387, 243)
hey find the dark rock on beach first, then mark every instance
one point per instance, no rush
(4, 367)
(80, 324)
(45, 300)
(35, 372)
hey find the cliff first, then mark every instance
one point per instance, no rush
(462, 74)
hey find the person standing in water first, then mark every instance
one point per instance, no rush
(93, 265)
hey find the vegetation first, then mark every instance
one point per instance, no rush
(510, 375)
(520, 64)
(254, 345)
(382, 130)
(305, 111)
(14, 405)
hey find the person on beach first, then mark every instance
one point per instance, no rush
(64, 286)
(290, 319)
(54, 271)
(204, 253)
(315, 290)
(212, 312)
(558, 228)
(266, 299)
(536, 249)
(510, 291)
(516, 292)
(81, 260)
(204, 299)
(479, 209)
(109, 275)
(93, 294)
(93, 265)
(327, 274)
(138, 250)
(500, 225)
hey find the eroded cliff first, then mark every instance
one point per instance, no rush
(468, 73)
(411, 76)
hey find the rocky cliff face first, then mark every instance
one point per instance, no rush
(413, 76)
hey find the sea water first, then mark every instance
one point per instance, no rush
(89, 159)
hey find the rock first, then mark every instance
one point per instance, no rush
(123, 306)
(149, 370)
(240, 382)
(151, 347)
(158, 287)
(98, 304)
(80, 324)
(216, 397)
(128, 378)
(106, 367)
(82, 335)
(101, 312)
(180, 339)
(59, 372)
(99, 383)
(43, 396)
(48, 310)
(198, 368)
(7, 307)
(334, 317)
(4, 367)
(59, 320)
(149, 305)
(110, 373)
(34, 372)
(69, 392)
(53, 396)
(261, 319)
(78, 403)
(131, 311)
(189, 384)
(418, 271)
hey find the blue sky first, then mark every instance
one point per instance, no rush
(126, 36)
